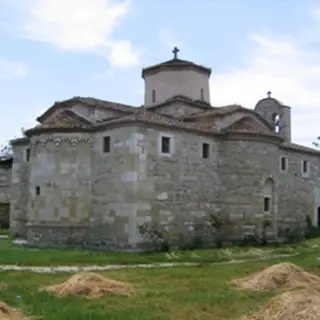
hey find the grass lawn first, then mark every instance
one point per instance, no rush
(4, 232)
(40, 257)
(180, 293)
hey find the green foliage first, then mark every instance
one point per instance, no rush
(5, 152)
(155, 233)
(293, 236)
(311, 230)
(222, 229)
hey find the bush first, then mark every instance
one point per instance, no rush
(156, 234)
(293, 236)
(311, 230)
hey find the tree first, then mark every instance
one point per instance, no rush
(6, 152)
(317, 142)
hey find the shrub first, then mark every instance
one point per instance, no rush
(157, 234)
(222, 229)
(293, 236)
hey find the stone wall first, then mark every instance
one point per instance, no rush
(5, 182)
(77, 194)
(298, 193)
(170, 83)
(114, 200)
(245, 166)
(180, 190)
(19, 189)
(59, 189)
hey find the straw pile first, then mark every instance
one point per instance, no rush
(292, 305)
(89, 285)
(7, 313)
(282, 275)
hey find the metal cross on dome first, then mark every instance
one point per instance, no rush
(175, 52)
(269, 94)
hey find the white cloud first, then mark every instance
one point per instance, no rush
(79, 25)
(10, 69)
(283, 66)
(123, 55)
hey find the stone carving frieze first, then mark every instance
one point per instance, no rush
(74, 141)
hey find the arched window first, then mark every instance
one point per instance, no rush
(201, 94)
(276, 122)
(153, 96)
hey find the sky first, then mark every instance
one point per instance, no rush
(51, 50)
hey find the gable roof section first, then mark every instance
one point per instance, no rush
(65, 121)
(68, 117)
(174, 64)
(248, 124)
(227, 110)
(90, 102)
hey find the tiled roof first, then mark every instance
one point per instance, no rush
(104, 104)
(17, 141)
(174, 64)
(216, 111)
(271, 100)
(67, 120)
(184, 99)
(249, 125)
(88, 101)
(298, 147)
(146, 116)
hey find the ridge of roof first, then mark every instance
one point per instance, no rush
(89, 101)
(175, 63)
(181, 98)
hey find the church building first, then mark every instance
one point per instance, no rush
(93, 171)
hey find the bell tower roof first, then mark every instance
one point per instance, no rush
(175, 64)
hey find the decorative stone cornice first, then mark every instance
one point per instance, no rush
(57, 140)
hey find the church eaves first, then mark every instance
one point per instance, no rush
(174, 64)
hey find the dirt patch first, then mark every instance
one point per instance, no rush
(3, 285)
(282, 275)
(7, 313)
(90, 285)
(292, 305)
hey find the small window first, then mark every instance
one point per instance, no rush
(106, 144)
(28, 154)
(37, 190)
(266, 204)
(153, 96)
(205, 150)
(202, 94)
(165, 145)
(305, 166)
(284, 163)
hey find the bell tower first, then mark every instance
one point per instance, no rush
(277, 114)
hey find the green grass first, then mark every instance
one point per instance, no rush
(23, 256)
(4, 232)
(180, 293)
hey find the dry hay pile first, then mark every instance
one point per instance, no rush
(282, 275)
(7, 313)
(89, 285)
(292, 305)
